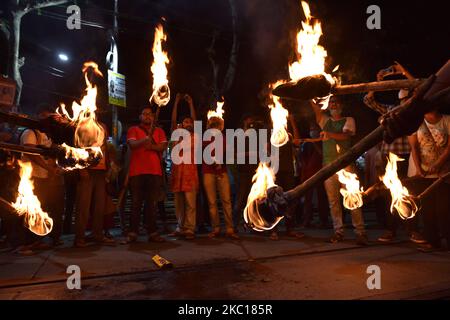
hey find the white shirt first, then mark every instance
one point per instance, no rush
(432, 146)
(36, 138)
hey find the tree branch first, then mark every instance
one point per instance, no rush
(4, 29)
(44, 4)
(231, 71)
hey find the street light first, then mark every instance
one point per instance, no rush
(63, 57)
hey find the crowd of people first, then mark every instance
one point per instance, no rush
(91, 198)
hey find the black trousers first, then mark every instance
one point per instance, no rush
(435, 211)
(144, 188)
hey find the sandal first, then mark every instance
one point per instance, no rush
(297, 235)
(213, 234)
(156, 238)
(232, 235)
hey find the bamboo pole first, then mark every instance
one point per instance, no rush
(433, 186)
(387, 85)
(6, 205)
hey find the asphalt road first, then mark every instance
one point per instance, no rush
(339, 273)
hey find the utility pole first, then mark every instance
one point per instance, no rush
(112, 60)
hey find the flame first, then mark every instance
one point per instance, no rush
(80, 156)
(161, 90)
(311, 55)
(88, 133)
(279, 115)
(263, 179)
(29, 205)
(401, 199)
(352, 193)
(218, 113)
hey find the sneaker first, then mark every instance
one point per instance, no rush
(361, 240)
(417, 238)
(388, 236)
(337, 237)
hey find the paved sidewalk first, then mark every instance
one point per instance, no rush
(323, 270)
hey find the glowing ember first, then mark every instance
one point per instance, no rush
(312, 56)
(262, 180)
(401, 199)
(161, 90)
(29, 205)
(218, 113)
(88, 133)
(279, 115)
(352, 193)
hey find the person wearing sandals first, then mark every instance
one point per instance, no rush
(91, 201)
(431, 158)
(184, 178)
(145, 173)
(336, 135)
(215, 178)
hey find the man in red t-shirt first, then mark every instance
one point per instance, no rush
(145, 173)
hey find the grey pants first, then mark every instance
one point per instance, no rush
(221, 183)
(332, 187)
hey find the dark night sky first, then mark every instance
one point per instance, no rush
(414, 33)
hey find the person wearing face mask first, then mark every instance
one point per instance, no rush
(311, 162)
(216, 180)
(337, 131)
(184, 178)
(401, 148)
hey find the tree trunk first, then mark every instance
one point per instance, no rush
(15, 61)
(18, 10)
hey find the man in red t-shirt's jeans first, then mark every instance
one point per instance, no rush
(145, 173)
